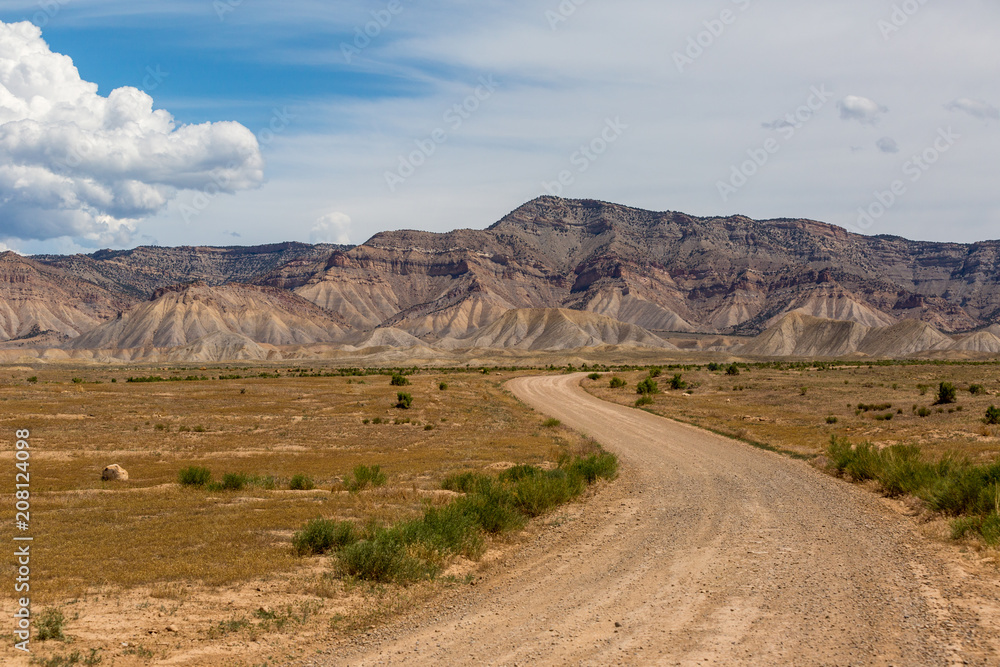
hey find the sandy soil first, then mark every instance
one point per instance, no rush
(706, 552)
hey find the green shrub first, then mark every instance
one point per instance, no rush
(617, 383)
(519, 472)
(874, 407)
(733, 369)
(234, 481)
(922, 388)
(551, 423)
(647, 386)
(977, 389)
(443, 386)
(677, 383)
(714, 367)
(491, 506)
(644, 400)
(364, 477)
(655, 371)
(399, 380)
(50, 624)
(537, 494)
(596, 466)
(322, 535)
(194, 476)
(594, 376)
(301, 483)
(466, 482)
(443, 532)
(383, 558)
(831, 420)
(923, 412)
(992, 415)
(403, 400)
(946, 393)
(33, 379)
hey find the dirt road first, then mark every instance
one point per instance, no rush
(708, 552)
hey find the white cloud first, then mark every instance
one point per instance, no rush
(74, 163)
(976, 108)
(861, 109)
(332, 228)
(887, 145)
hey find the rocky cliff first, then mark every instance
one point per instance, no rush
(664, 272)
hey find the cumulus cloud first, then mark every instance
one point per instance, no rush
(887, 145)
(861, 109)
(332, 228)
(975, 108)
(74, 163)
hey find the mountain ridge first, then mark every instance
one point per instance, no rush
(667, 273)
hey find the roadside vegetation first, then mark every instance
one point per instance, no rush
(952, 485)
(420, 548)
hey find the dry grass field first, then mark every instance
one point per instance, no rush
(124, 561)
(799, 408)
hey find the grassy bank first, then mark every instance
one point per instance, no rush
(952, 484)
(421, 548)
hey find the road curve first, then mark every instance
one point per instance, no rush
(707, 551)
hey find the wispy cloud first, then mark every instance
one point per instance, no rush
(975, 108)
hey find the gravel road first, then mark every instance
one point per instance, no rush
(707, 551)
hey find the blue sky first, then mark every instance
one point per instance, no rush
(878, 116)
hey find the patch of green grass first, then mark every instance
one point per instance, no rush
(194, 476)
(643, 400)
(951, 485)
(322, 535)
(420, 548)
(594, 467)
(551, 423)
(465, 482)
(363, 477)
(301, 482)
(239, 481)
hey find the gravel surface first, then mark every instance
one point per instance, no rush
(706, 551)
